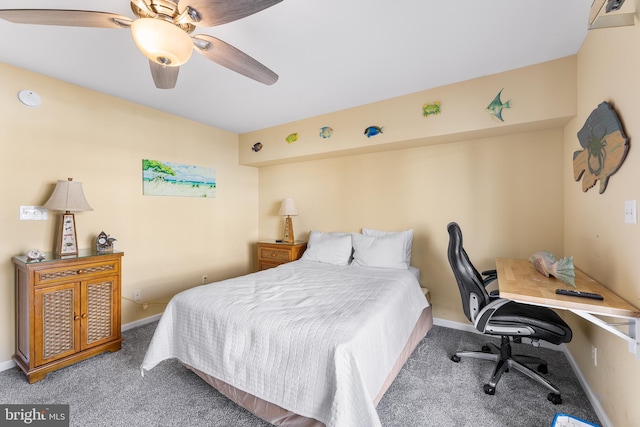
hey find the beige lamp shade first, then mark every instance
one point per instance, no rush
(161, 41)
(288, 208)
(69, 197)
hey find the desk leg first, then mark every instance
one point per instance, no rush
(632, 323)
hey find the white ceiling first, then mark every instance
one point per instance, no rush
(329, 54)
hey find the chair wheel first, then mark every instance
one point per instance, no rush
(543, 369)
(489, 389)
(486, 349)
(554, 398)
(455, 358)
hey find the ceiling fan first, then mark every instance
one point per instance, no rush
(162, 32)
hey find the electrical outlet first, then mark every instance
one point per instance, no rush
(137, 295)
(594, 355)
(33, 213)
(630, 216)
(204, 279)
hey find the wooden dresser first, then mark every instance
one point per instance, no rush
(67, 310)
(272, 254)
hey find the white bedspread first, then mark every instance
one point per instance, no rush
(315, 339)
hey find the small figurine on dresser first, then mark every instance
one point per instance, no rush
(35, 255)
(104, 243)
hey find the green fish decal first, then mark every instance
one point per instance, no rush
(431, 109)
(372, 131)
(496, 106)
(291, 138)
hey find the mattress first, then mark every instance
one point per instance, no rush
(279, 416)
(314, 339)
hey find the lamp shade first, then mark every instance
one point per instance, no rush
(288, 207)
(68, 196)
(161, 41)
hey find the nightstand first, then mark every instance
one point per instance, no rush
(272, 254)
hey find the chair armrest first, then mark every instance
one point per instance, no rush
(490, 277)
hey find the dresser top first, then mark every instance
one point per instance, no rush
(50, 256)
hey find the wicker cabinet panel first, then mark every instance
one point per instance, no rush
(272, 254)
(100, 322)
(56, 334)
(66, 310)
(277, 255)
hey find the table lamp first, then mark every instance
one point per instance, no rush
(67, 196)
(288, 208)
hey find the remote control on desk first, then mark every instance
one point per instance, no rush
(574, 293)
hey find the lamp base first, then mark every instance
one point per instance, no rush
(67, 242)
(288, 230)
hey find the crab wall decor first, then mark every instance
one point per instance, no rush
(604, 145)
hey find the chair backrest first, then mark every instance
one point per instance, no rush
(472, 291)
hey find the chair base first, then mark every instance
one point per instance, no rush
(505, 360)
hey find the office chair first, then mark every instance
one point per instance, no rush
(504, 318)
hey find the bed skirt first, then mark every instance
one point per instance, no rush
(279, 416)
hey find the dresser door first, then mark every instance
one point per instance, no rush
(57, 322)
(100, 312)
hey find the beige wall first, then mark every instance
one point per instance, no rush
(169, 242)
(502, 182)
(513, 194)
(505, 192)
(541, 96)
(595, 233)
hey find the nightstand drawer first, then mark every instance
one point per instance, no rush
(271, 254)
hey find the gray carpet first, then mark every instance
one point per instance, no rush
(431, 390)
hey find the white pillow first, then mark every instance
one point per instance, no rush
(386, 251)
(330, 248)
(406, 235)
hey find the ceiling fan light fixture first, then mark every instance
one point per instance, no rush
(161, 41)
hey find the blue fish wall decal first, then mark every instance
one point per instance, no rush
(372, 131)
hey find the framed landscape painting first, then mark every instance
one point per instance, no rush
(175, 179)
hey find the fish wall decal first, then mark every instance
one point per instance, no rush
(372, 131)
(257, 147)
(604, 145)
(291, 138)
(496, 106)
(326, 132)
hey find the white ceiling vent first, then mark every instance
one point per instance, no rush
(612, 13)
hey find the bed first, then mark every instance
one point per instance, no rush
(309, 343)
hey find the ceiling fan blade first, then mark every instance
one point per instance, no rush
(164, 77)
(234, 59)
(217, 12)
(71, 18)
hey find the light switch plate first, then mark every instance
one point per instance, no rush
(630, 214)
(33, 213)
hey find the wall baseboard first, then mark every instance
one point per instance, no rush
(595, 402)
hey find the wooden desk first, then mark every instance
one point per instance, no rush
(519, 281)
